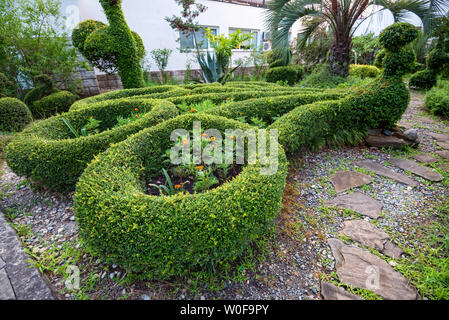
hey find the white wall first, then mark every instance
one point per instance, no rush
(147, 18)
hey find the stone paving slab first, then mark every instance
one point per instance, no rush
(417, 169)
(25, 280)
(444, 145)
(358, 202)
(386, 172)
(361, 269)
(425, 158)
(345, 180)
(6, 291)
(443, 154)
(438, 136)
(367, 234)
(332, 292)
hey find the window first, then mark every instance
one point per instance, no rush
(254, 42)
(187, 40)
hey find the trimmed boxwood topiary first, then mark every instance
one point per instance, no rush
(171, 235)
(379, 61)
(48, 153)
(424, 79)
(396, 36)
(57, 102)
(287, 73)
(363, 71)
(112, 47)
(14, 115)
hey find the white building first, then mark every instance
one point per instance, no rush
(147, 18)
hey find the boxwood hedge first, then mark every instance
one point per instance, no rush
(171, 235)
(48, 153)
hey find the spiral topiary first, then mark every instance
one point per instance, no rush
(113, 47)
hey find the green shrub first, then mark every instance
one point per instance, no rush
(379, 61)
(288, 73)
(5, 86)
(48, 153)
(437, 99)
(424, 79)
(363, 71)
(14, 115)
(57, 102)
(396, 36)
(44, 87)
(321, 77)
(436, 59)
(171, 235)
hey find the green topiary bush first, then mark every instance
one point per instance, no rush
(14, 115)
(437, 99)
(171, 235)
(424, 79)
(363, 71)
(43, 87)
(396, 36)
(113, 46)
(49, 153)
(399, 63)
(57, 102)
(5, 86)
(288, 73)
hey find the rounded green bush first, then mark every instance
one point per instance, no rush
(363, 71)
(288, 73)
(48, 152)
(57, 102)
(14, 115)
(424, 79)
(396, 36)
(171, 235)
(44, 87)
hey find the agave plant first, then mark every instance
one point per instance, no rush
(215, 67)
(342, 17)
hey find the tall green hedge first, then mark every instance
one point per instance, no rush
(171, 235)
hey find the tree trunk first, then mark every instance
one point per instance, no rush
(338, 60)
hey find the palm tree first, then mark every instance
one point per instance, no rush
(341, 16)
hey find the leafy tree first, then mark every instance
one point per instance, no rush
(160, 56)
(341, 16)
(33, 43)
(366, 48)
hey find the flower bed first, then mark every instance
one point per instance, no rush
(171, 235)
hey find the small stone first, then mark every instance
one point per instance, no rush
(146, 297)
(387, 132)
(411, 134)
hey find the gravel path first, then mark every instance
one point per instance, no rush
(295, 259)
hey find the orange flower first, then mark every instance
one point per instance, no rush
(199, 168)
(228, 99)
(185, 141)
(192, 110)
(137, 115)
(177, 186)
(212, 138)
(136, 109)
(204, 135)
(231, 137)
